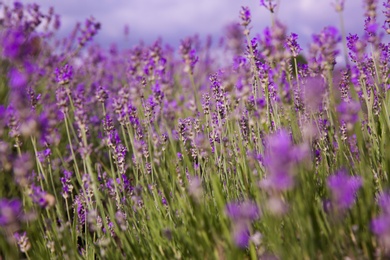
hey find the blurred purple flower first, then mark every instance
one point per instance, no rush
(349, 111)
(235, 38)
(64, 75)
(242, 214)
(280, 158)
(67, 186)
(10, 211)
(356, 47)
(241, 237)
(386, 12)
(273, 43)
(14, 44)
(245, 16)
(381, 224)
(293, 45)
(269, 4)
(22, 167)
(371, 29)
(89, 31)
(195, 187)
(323, 50)
(17, 79)
(188, 54)
(344, 188)
(22, 241)
(246, 211)
(384, 203)
(40, 196)
(313, 93)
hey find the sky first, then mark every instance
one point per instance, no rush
(175, 19)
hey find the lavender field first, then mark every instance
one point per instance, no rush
(250, 148)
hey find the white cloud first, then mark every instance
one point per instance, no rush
(175, 19)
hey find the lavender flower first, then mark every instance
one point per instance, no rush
(386, 12)
(62, 99)
(371, 31)
(349, 111)
(102, 94)
(293, 45)
(235, 38)
(323, 50)
(22, 166)
(14, 44)
(242, 214)
(188, 54)
(195, 188)
(273, 42)
(381, 224)
(357, 48)
(41, 197)
(10, 212)
(245, 211)
(344, 188)
(280, 159)
(67, 186)
(64, 75)
(23, 242)
(241, 237)
(245, 16)
(89, 31)
(17, 79)
(269, 5)
(370, 6)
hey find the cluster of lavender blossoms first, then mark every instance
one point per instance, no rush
(272, 150)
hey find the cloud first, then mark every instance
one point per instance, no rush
(176, 19)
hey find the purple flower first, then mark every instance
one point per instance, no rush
(38, 196)
(188, 54)
(17, 79)
(64, 75)
(269, 4)
(245, 16)
(280, 159)
(381, 224)
(89, 31)
(349, 111)
(323, 50)
(293, 45)
(14, 44)
(195, 187)
(313, 93)
(273, 42)
(67, 186)
(344, 188)
(384, 203)
(22, 166)
(23, 241)
(386, 12)
(10, 211)
(357, 47)
(245, 211)
(242, 214)
(241, 237)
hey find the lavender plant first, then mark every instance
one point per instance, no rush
(153, 152)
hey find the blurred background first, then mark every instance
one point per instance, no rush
(175, 19)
